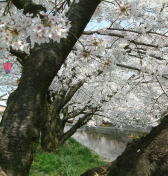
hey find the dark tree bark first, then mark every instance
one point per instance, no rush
(98, 171)
(146, 157)
(24, 115)
(52, 134)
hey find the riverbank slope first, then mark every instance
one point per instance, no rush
(72, 160)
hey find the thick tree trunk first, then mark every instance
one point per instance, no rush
(50, 142)
(146, 157)
(52, 135)
(24, 116)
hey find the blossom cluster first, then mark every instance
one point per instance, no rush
(22, 32)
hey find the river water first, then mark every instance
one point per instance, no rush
(104, 145)
(109, 143)
(108, 146)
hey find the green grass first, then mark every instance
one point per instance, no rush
(72, 160)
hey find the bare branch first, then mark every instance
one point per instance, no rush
(82, 121)
(120, 36)
(71, 92)
(129, 67)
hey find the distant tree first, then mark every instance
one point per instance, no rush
(71, 100)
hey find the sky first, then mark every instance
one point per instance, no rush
(95, 25)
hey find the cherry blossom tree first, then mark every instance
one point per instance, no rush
(130, 49)
(135, 40)
(24, 116)
(147, 156)
(137, 74)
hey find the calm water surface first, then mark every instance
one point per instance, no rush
(108, 146)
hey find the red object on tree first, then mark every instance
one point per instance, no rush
(7, 67)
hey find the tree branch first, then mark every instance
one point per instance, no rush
(128, 67)
(113, 34)
(28, 6)
(73, 114)
(71, 92)
(21, 56)
(62, 98)
(82, 121)
(26, 106)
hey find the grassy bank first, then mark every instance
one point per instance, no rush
(72, 160)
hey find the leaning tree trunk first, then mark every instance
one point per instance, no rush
(146, 157)
(23, 118)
